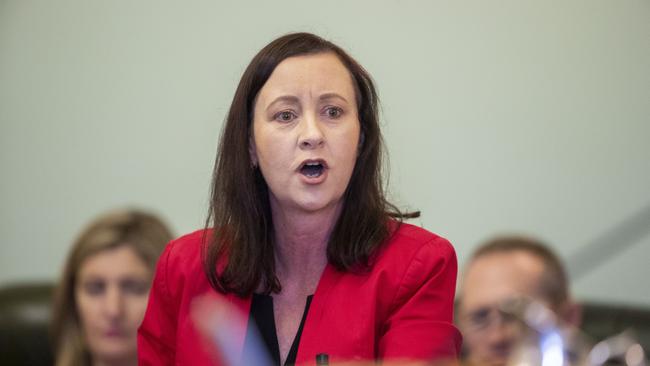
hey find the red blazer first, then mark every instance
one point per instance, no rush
(401, 308)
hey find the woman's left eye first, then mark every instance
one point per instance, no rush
(333, 112)
(135, 287)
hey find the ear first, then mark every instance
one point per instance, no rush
(252, 151)
(572, 313)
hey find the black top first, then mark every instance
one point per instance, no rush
(261, 315)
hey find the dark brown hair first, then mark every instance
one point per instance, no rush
(239, 209)
(145, 233)
(554, 285)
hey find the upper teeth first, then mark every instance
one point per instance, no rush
(312, 164)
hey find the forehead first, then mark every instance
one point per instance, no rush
(114, 262)
(308, 76)
(496, 277)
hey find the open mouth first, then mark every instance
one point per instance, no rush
(312, 169)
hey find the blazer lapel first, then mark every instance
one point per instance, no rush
(315, 331)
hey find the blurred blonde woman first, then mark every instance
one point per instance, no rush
(102, 295)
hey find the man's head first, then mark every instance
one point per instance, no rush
(504, 269)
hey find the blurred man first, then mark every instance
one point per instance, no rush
(502, 270)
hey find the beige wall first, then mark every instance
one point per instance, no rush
(530, 116)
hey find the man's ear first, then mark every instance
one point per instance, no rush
(572, 313)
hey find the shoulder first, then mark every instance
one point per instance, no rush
(186, 249)
(413, 257)
(181, 262)
(409, 242)
(168, 332)
(417, 264)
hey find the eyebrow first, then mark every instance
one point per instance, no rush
(283, 98)
(332, 96)
(291, 99)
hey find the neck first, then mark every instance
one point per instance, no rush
(301, 240)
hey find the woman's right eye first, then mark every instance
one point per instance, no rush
(285, 116)
(94, 288)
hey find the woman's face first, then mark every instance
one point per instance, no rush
(111, 297)
(306, 132)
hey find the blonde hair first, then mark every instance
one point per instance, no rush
(145, 233)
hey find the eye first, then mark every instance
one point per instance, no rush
(333, 112)
(479, 318)
(134, 286)
(285, 116)
(94, 288)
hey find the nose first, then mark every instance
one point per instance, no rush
(114, 303)
(311, 135)
(499, 332)
(502, 334)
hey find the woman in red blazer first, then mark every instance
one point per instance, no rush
(306, 245)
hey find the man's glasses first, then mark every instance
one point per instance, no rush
(485, 318)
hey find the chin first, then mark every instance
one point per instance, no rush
(497, 362)
(117, 351)
(311, 207)
(316, 204)
(488, 361)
